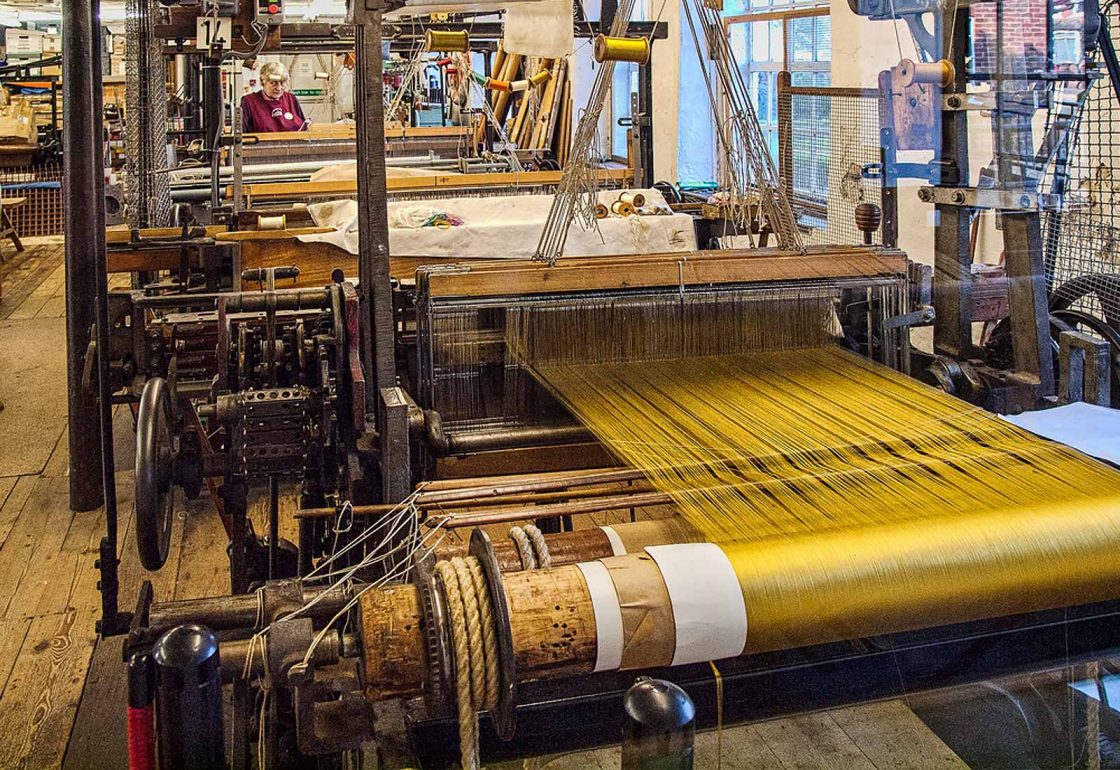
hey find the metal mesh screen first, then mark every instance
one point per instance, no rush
(1083, 238)
(827, 137)
(41, 185)
(147, 191)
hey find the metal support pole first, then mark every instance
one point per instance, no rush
(378, 334)
(82, 169)
(952, 260)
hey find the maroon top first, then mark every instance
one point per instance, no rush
(259, 114)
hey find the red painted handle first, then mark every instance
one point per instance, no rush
(141, 738)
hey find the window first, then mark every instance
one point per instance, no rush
(766, 37)
(624, 86)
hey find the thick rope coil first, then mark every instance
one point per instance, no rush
(474, 640)
(540, 547)
(531, 547)
(524, 548)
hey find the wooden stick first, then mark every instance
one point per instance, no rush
(473, 503)
(549, 132)
(591, 505)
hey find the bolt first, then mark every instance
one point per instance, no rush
(954, 102)
(925, 194)
(958, 197)
(1025, 201)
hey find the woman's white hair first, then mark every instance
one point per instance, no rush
(273, 69)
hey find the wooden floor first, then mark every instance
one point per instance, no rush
(48, 586)
(60, 689)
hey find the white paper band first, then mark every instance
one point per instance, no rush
(708, 608)
(608, 615)
(617, 546)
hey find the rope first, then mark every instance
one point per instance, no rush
(524, 548)
(476, 649)
(531, 546)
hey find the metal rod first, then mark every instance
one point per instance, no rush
(423, 504)
(82, 238)
(591, 505)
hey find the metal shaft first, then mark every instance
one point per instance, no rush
(83, 167)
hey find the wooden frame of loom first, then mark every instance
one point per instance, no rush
(498, 277)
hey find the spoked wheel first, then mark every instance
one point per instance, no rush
(155, 474)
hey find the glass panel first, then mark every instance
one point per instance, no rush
(760, 41)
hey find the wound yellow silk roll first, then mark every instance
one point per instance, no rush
(892, 578)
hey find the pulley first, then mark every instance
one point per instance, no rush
(155, 474)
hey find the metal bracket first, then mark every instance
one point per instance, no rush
(985, 198)
(1025, 101)
(1084, 369)
(917, 317)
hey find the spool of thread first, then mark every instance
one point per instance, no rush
(279, 222)
(633, 49)
(601, 211)
(445, 61)
(940, 72)
(519, 85)
(635, 199)
(622, 208)
(540, 77)
(444, 40)
(497, 85)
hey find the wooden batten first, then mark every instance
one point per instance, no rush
(663, 270)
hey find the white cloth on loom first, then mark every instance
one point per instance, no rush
(507, 227)
(1094, 430)
(348, 172)
(542, 28)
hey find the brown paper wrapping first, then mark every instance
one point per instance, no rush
(648, 629)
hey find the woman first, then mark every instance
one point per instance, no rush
(274, 107)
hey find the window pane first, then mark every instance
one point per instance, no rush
(823, 38)
(760, 41)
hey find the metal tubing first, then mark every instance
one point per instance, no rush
(242, 611)
(516, 438)
(189, 699)
(81, 117)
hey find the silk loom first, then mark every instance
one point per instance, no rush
(524, 482)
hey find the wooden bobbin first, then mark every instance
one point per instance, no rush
(635, 199)
(632, 49)
(622, 208)
(940, 72)
(447, 40)
(279, 222)
(601, 211)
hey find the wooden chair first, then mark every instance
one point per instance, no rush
(7, 229)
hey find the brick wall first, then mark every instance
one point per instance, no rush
(1024, 36)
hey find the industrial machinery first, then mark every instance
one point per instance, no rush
(406, 409)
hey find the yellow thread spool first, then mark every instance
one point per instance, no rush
(633, 49)
(540, 77)
(444, 40)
